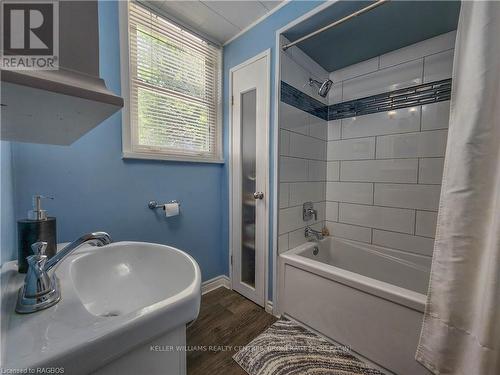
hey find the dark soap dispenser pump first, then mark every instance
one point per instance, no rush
(37, 227)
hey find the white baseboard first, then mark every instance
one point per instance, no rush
(269, 307)
(216, 282)
(224, 281)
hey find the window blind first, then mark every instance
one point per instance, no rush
(175, 80)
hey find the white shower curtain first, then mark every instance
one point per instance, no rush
(461, 329)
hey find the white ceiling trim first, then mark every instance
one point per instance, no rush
(257, 21)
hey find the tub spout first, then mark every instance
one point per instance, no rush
(311, 233)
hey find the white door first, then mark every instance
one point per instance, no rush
(249, 177)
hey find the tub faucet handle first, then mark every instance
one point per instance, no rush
(308, 212)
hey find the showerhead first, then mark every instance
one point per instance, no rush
(324, 87)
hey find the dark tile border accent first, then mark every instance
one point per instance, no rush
(431, 92)
(426, 93)
(290, 95)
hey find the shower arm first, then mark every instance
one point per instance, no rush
(312, 81)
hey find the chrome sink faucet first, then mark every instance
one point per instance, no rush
(309, 232)
(41, 289)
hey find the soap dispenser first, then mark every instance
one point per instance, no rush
(37, 227)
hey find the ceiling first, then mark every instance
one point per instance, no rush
(390, 26)
(218, 21)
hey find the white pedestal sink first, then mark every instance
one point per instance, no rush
(123, 310)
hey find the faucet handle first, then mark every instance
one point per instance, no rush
(39, 248)
(38, 258)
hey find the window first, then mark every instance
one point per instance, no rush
(173, 82)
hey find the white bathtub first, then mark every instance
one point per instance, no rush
(364, 296)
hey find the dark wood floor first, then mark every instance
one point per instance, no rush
(226, 320)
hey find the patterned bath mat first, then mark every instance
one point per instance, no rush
(287, 348)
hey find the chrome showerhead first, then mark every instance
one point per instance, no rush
(323, 87)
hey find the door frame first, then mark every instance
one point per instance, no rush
(267, 55)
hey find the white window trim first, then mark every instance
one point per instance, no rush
(127, 151)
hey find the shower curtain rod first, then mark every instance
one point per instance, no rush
(338, 22)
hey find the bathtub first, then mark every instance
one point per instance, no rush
(366, 297)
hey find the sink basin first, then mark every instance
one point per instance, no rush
(125, 277)
(116, 300)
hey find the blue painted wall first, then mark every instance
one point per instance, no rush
(95, 189)
(258, 39)
(7, 219)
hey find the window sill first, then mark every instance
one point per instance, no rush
(180, 158)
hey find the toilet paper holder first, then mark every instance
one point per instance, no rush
(154, 204)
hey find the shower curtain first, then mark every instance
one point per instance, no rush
(461, 328)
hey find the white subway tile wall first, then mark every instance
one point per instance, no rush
(284, 142)
(430, 170)
(424, 197)
(351, 232)
(282, 243)
(436, 115)
(317, 170)
(332, 208)
(334, 130)
(384, 170)
(350, 192)
(317, 128)
(332, 171)
(373, 178)
(297, 76)
(393, 219)
(284, 196)
(303, 60)
(419, 50)
(351, 149)
(293, 169)
(297, 68)
(389, 170)
(438, 66)
(335, 94)
(398, 121)
(388, 79)
(293, 119)
(412, 145)
(307, 147)
(413, 244)
(303, 167)
(426, 224)
(301, 192)
(355, 70)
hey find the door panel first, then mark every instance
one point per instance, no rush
(249, 171)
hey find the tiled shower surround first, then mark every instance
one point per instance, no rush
(383, 170)
(303, 142)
